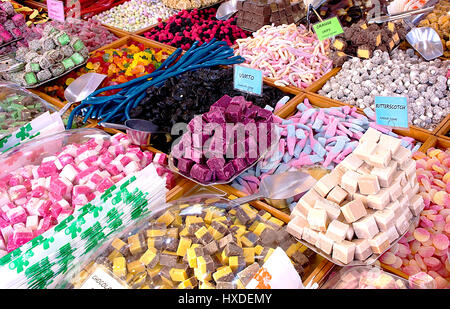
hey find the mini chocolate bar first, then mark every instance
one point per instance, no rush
(43, 75)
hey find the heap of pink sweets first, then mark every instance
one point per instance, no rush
(426, 247)
(36, 197)
(289, 54)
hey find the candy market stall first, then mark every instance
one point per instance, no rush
(373, 211)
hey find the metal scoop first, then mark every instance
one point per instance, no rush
(424, 40)
(278, 187)
(139, 131)
(80, 89)
(227, 9)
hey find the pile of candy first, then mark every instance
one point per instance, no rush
(186, 27)
(288, 54)
(32, 15)
(197, 246)
(398, 6)
(90, 32)
(121, 64)
(188, 4)
(439, 20)
(403, 73)
(208, 155)
(426, 247)
(36, 197)
(192, 93)
(311, 137)
(135, 15)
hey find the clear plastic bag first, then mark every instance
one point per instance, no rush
(18, 106)
(193, 243)
(364, 277)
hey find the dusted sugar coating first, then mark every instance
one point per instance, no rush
(186, 27)
(424, 83)
(134, 15)
(35, 198)
(426, 246)
(292, 55)
(192, 93)
(197, 246)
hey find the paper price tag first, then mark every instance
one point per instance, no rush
(392, 111)
(56, 10)
(248, 80)
(328, 28)
(101, 280)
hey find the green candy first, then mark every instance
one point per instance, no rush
(77, 58)
(35, 67)
(68, 63)
(30, 78)
(78, 45)
(63, 39)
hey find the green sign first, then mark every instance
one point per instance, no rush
(328, 28)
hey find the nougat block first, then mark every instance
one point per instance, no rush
(371, 135)
(318, 219)
(395, 208)
(401, 224)
(362, 249)
(295, 226)
(366, 227)
(333, 210)
(380, 200)
(392, 234)
(368, 184)
(353, 211)
(303, 207)
(402, 156)
(349, 181)
(364, 150)
(385, 175)
(395, 191)
(350, 233)
(344, 251)
(326, 184)
(380, 157)
(337, 195)
(337, 230)
(324, 243)
(400, 177)
(416, 204)
(384, 218)
(391, 143)
(351, 162)
(379, 243)
(310, 235)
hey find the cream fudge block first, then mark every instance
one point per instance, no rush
(415, 189)
(295, 227)
(379, 243)
(310, 235)
(351, 162)
(358, 196)
(366, 227)
(380, 157)
(403, 201)
(392, 234)
(395, 208)
(416, 204)
(385, 175)
(332, 209)
(380, 200)
(344, 251)
(353, 211)
(365, 169)
(371, 135)
(337, 230)
(402, 156)
(311, 197)
(410, 168)
(337, 195)
(401, 224)
(407, 213)
(400, 177)
(349, 181)
(324, 243)
(350, 233)
(395, 191)
(368, 184)
(385, 219)
(406, 189)
(390, 142)
(364, 150)
(326, 184)
(362, 249)
(338, 172)
(304, 207)
(296, 213)
(318, 219)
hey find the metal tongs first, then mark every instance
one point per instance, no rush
(406, 14)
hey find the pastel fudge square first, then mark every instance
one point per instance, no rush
(351, 162)
(390, 142)
(385, 175)
(379, 243)
(362, 249)
(337, 230)
(385, 219)
(310, 235)
(401, 224)
(366, 227)
(337, 195)
(416, 205)
(353, 211)
(364, 150)
(392, 234)
(326, 184)
(379, 200)
(368, 184)
(371, 135)
(295, 227)
(318, 219)
(365, 169)
(402, 156)
(395, 191)
(380, 157)
(349, 181)
(344, 251)
(332, 209)
(324, 243)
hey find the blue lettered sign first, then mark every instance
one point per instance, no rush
(392, 111)
(248, 80)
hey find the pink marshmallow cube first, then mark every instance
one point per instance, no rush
(116, 138)
(70, 149)
(105, 184)
(69, 172)
(38, 192)
(61, 186)
(65, 159)
(7, 231)
(106, 159)
(83, 175)
(160, 158)
(32, 222)
(131, 168)
(47, 169)
(44, 208)
(79, 200)
(124, 160)
(17, 192)
(21, 201)
(15, 180)
(16, 215)
(80, 150)
(112, 169)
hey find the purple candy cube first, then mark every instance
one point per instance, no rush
(201, 173)
(251, 148)
(213, 148)
(264, 115)
(215, 164)
(223, 101)
(196, 124)
(215, 116)
(251, 112)
(226, 172)
(18, 20)
(185, 165)
(233, 113)
(239, 164)
(16, 33)
(6, 36)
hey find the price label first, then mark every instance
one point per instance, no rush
(392, 111)
(101, 280)
(328, 28)
(248, 80)
(56, 10)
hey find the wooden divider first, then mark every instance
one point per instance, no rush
(444, 128)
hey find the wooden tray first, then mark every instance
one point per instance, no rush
(443, 129)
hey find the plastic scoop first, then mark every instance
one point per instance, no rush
(226, 10)
(139, 131)
(278, 187)
(80, 89)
